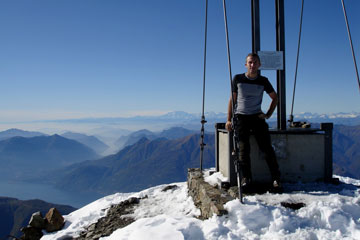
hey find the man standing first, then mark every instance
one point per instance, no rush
(248, 89)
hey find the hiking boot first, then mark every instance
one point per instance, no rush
(245, 182)
(276, 184)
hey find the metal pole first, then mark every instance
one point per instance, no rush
(297, 63)
(255, 25)
(203, 121)
(351, 45)
(280, 46)
(234, 153)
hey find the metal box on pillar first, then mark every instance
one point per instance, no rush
(304, 155)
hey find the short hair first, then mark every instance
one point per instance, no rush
(254, 55)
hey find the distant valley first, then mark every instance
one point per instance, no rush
(90, 141)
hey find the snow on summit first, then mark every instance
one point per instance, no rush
(330, 212)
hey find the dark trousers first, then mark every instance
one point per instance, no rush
(245, 125)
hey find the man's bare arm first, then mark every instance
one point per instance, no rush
(228, 123)
(273, 104)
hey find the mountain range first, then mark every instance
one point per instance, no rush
(171, 133)
(21, 157)
(160, 160)
(144, 164)
(192, 120)
(13, 132)
(90, 141)
(346, 151)
(350, 119)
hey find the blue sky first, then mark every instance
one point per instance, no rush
(92, 58)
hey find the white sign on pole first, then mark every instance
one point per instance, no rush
(271, 60)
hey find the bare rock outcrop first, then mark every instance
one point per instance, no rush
(118, 216)
(53, 221)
